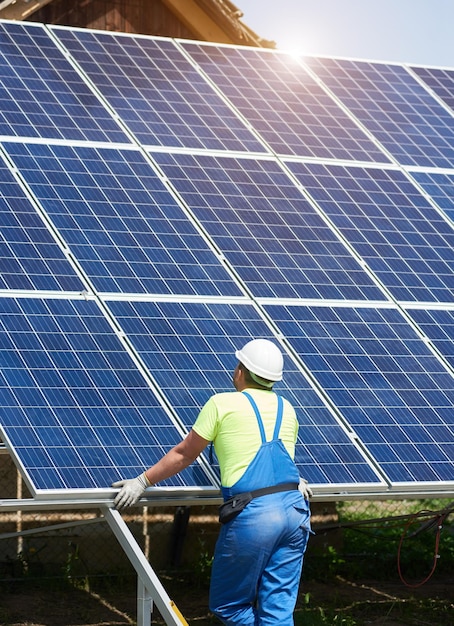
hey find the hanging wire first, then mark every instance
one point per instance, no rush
(436, 521)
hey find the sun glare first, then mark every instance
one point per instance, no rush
(296, 51)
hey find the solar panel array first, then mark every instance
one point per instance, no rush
(164, 201)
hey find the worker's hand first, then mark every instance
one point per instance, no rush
(304, 489)
(131, 491)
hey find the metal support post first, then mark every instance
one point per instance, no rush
(144, 604)
(148, 581)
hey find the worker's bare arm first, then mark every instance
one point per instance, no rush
(177, 459)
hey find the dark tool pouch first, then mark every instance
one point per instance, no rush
(233, 506)
(237, 503)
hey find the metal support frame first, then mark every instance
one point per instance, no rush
(144, 604)
(150, 589)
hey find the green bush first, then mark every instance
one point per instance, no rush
(375, 544)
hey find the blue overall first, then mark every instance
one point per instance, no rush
(259, 554)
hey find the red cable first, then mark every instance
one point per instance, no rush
(440, 519)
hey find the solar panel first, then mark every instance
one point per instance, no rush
(189, 348)
(156, 91)
(438, 325)
(266, 228)
(390, 224)
(75, 408)
(120, 222)
(30, 257)
(440, 187)
(251, 194)
(394, 392)
(41, 93)
(283, 103)
(440, 80)
(400, 113)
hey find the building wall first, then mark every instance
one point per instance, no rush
(149, 17)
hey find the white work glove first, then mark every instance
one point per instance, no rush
(304, 489)
(131, 491)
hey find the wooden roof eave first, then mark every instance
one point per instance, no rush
(215, 21)
(209, 20)
(196, 19)
(21, 10)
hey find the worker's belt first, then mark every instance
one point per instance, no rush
(236, 503)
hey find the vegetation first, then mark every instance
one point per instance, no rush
(398, 567)
(389, 564)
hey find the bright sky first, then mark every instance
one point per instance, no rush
(407, 31)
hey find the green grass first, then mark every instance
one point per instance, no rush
(358, 582)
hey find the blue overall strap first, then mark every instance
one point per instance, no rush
(277, 427)
(280, 410)
(257, 415)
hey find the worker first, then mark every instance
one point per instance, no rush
(259, 552)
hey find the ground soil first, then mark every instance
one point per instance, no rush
(338, 601)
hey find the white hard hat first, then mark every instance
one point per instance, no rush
(263, 358)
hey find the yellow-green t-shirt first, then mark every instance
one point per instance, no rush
(229, 421)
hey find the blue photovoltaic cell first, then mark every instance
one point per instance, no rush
(395, 393)
(42, 95)
(390, 224)
(284, 104)
(122, 225)
(76, 411)
(157, 92)
(189, 349)
(438, 325)
(73, 405)
(29, 255)
(440, 80)
(401, 114)
(440, 187)
(266, 228)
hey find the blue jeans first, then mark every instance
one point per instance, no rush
(258, 560)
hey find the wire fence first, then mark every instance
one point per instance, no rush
(79, 544)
